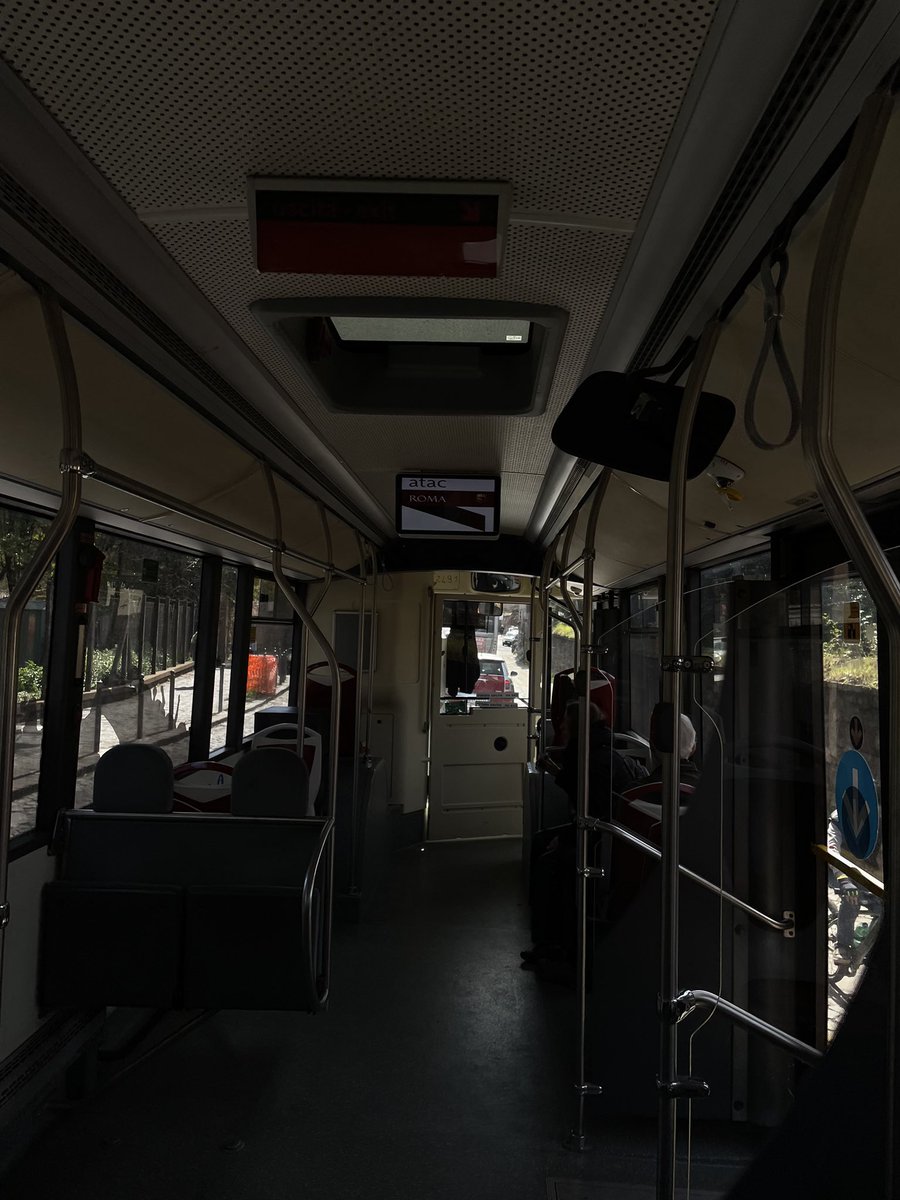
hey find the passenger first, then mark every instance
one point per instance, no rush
(848, 897)
(553, 854)
(687, 747)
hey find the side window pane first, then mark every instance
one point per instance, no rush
(269, 651)
(139, 668)
(715, 617)
(224, 644)
(643, 657)
(21, 534)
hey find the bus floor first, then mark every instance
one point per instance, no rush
(441, 1070)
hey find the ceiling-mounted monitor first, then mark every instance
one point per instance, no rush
(453, 506)
(378, 226)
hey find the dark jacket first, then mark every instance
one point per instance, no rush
(689, 773)
(608, 771)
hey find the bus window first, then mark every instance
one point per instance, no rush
(139, 660)
(20, 534)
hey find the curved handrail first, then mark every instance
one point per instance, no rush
(624, 834)
(326, 838)
(691, 998)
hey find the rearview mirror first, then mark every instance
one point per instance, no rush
(627, 422)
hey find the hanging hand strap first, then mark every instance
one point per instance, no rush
(773, 289)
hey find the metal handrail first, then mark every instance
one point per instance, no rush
(582, 1087)
(851, 869)
(143, 491)
(688, 1000)
(565, 573)
(326, 838)
(624, 834)
(671, 692)
(71, 466)
(311, 627)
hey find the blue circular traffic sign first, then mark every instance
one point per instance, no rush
(857, 804)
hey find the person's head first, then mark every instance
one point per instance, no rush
(595, 716)
(687, 738)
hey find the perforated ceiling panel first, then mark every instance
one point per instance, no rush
(572, 268)
(572, 102)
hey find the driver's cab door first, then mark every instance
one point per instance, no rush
(479, 724)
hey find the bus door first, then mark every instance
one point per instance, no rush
(479, 720)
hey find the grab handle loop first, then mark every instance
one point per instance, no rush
(773, 311)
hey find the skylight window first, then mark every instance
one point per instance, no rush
(433, 330)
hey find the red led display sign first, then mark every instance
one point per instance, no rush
(376, 232)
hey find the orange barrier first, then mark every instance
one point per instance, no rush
(262, 675)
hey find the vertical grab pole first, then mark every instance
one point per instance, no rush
(671, 696)
(370, 690)
(311, 627)
(358, 714)
(854, 530)
(72, 466)
(582, 1087)
(564, 582)
(546, 656)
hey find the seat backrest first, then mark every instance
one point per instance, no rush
(272, 782)
(134, 777)
(642, 811)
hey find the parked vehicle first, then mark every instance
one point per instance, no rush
(494, 679)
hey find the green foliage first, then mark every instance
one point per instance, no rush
(854, 663)
(561, 629)
(107, 669)
(20, 537)
(31, 681)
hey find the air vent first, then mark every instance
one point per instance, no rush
(825, 42)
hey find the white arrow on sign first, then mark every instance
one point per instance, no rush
(858, 809)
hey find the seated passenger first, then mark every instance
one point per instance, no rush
(554, 851)
(687, 747)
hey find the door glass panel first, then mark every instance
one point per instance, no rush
(853, 780)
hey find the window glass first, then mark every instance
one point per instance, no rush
(270, 651)
(715, 599)
(21, 534)
(224, 646)
(562, 645)
(852, 779)
(139, 659)
(643, 657)
(502, 633)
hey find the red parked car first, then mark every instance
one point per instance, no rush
(494, 678)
